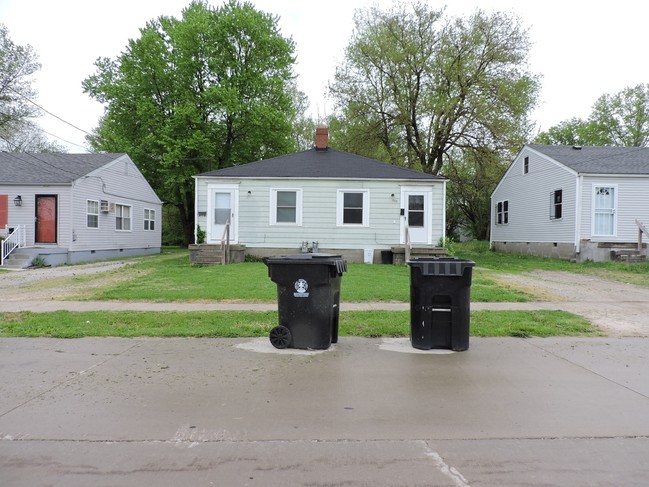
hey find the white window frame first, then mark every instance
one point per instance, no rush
(88, 213)
(554, 205)
(502, 216)
(298, 206)
(150, 220)
(340, 210)
(120, 217)
(526, 165)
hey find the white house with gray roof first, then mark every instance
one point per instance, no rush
(573, 202)
(69, 208)
(340, 202)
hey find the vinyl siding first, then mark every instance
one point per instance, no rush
(530, 200)
(632, 204)
(24, 215)
(319, 212)
(119, 182)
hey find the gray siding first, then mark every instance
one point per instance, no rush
(319, 212)
(119, 182)
(632, 204)
(530, 201)
(25, 214)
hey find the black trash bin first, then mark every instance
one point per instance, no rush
(440, 302)
(308, 299)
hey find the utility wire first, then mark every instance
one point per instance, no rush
(48, 112)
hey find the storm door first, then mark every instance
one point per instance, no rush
(417, 214)
(604, 214)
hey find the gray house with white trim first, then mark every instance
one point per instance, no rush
(572, 202)
(341, 202)
(69, 208)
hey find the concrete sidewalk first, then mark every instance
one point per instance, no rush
(375, 412)
(43, 306)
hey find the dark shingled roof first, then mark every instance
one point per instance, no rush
(599, 160)
(43, 168)
(327, 164)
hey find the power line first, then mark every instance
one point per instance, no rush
(66, 141)
(49, 113)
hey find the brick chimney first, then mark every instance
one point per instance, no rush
(321, 138)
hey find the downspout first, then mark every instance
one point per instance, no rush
(444, 211)
(578, 205)
(196, 185)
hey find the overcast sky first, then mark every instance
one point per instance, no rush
(581, 49)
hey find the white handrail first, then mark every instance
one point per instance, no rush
(16, 239)
(641, 228)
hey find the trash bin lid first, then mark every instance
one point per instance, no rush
(317, 258)
(441, 266)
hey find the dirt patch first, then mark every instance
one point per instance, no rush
(62, 282)
(618, 308)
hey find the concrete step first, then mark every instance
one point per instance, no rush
(17, 263)
(627, 255)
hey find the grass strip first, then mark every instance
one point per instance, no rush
(67, 324)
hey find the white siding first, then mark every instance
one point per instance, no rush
(319, 213)
(119, 182)
(530, 201)
(632, 204)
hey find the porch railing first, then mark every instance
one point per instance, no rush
(225, 244)
(407, 242)
(16, 239)
(641, 228)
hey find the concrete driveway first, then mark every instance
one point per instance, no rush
(375, 412)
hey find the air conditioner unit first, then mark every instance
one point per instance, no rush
(103, 206)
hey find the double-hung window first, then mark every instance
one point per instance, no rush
(353, 207)
(502, 212)
(286, 206)
(556, 208)
(122, 218)
(149, 219)
(92, 214)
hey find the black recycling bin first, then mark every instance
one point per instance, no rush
(308, 299)
(440, 302)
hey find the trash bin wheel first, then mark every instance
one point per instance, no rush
(280, 336)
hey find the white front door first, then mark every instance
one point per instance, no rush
(604, 214)
(417, 215)
(222, 211)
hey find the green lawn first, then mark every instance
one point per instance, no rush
(65, 324)
(170, 277)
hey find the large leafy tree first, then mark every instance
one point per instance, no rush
(574, 131)
(18, 132)
(422, 85)
(209, 90)
(619, 119)
(421, 90)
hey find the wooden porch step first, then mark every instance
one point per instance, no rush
(627, 255)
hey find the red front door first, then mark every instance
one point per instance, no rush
(45, 218)
(4, 210)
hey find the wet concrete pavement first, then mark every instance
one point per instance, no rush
(144, 411)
